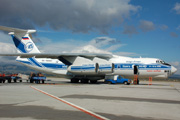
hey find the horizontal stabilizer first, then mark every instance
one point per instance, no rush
(16, 30)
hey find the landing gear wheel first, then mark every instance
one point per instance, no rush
(138, 82)
(109, 82)
(84, 81)
(9, 80)
(93, 81)
(125, 83)
(74, 80)
(31, 81)
(3, 81)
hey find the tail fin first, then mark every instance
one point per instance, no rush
(22, 39)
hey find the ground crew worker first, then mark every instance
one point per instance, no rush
(0, 78)
(3, 80)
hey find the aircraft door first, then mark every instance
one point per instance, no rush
(168, 72)
(136, 70)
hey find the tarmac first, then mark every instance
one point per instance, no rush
(61, 100)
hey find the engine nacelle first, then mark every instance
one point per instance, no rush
(91, 69)
(105, 68)
(86, 68)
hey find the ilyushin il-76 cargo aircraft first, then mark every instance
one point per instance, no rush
(83, 67)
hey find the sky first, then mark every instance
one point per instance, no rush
(134, 28)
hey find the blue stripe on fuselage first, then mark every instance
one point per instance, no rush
(54, 65)
(47, 65)
(141, 66)
(25, 62)
(33, 60)
(81, 68)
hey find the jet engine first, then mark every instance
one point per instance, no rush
(86, 68)
(105, 68)
(91, 68)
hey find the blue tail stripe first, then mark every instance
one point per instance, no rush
(18, 44)
(22, 49)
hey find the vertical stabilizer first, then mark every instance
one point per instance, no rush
(22, 39)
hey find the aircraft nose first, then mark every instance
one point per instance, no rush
(173, 69)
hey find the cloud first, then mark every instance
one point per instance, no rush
(96, 45)
(114, 47)
(146, 26)
(129, 30)
(104, 41)
(100, 45)
(74, 15)
(178, 28)
(173, 34)
(163, 27)
(7, 48)
(177, 8)
(89, 49)
(176, 63)
(104, 45)
(8, 60)
(60, 47)
(5, 38)
(6, 44)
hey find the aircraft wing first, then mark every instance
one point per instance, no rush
(57, 56)
(63, 57)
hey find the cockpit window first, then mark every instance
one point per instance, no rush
(162, 62)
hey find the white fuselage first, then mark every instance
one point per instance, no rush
(125, 66)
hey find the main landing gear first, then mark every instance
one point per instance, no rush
(76, 80)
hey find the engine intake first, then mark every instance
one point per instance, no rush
(88, 69)
(105, 68)
(91, 68)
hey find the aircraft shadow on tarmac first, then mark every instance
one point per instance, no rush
(41, 112)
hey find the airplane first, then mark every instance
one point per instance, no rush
(83, 67)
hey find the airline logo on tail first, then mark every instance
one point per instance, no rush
(29, 46)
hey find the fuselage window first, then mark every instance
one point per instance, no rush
(48, 60)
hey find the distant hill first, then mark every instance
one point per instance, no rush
(18, 68)
(12, 69)
(175, 77)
